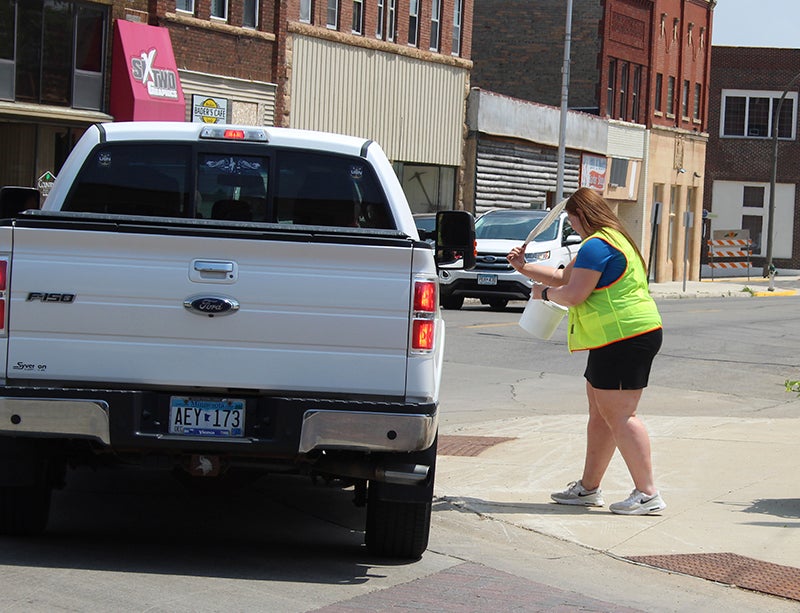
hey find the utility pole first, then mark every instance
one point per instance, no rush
(769, 268)
(562, 132)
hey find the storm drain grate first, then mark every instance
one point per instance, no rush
(732, 569)
(468, 446)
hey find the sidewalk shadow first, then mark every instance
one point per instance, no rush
(467, 504)
(786, 508)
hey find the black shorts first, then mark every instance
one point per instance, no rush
(624, 365)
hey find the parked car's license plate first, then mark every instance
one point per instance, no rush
(206, 417)
(484, 279)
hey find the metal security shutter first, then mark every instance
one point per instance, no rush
(513, 174)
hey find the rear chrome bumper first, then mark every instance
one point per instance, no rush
(367, 431)
(52, 417)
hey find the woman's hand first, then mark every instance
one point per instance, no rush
(516, 257)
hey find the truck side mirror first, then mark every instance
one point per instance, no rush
(455, 239)
(573, 239)
(14, 200)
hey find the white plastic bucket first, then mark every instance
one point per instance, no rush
(541, 318)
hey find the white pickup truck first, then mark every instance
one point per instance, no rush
(218, 299)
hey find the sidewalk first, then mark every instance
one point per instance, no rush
(730, 482)
(728, 287)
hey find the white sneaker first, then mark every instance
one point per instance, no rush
(578, 495)
(639, 503)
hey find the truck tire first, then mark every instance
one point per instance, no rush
(452, 303)
(397, 529)
(498, 304)
(24, 510)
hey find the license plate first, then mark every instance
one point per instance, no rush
(206, 417)
(487, 279)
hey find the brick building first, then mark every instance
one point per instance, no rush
(640, 62)
(746, 86)
(396, 71)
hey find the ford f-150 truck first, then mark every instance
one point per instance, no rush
(214, 299)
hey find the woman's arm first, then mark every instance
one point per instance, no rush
(581, 284)
(540, 273)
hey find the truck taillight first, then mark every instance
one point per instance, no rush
(423, 324)
(3, 285)
(425, 296)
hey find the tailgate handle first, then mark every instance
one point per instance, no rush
(218, 267)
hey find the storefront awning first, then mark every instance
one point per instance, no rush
(144, 78)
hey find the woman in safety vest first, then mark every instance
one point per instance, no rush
(613, 316)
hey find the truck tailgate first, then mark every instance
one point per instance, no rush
(108, 306)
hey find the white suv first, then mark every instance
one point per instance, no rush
(493, 280)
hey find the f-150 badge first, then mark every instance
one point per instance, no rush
(211, 305)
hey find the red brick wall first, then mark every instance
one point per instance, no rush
(750, 159)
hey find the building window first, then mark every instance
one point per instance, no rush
(53, 53)
(685, 100)
(332, 14)
(612, 75)
(391, 20)
(413, 22)
(754, 225)
(219, 9)
(250, 13)
(698, 91)
(659, 92)
(457, 10)
(752, 114)
(619, 172)
(753, 196)
(636, 88)
(671, 96)
(381, 17)
(305, 11)
(436, 22)
(185, 5)
(624, 70)
(358, 16)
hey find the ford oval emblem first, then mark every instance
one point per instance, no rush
(211, 305)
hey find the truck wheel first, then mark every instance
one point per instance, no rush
(498, 304)
(24, 510)
(397, 529)
(452, 303)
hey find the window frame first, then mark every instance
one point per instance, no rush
(332, 12)
(774, 97)
(611, 86)
(413, 23)
(191, 3)
(436, 25)
(671, 80)
(458, 15)
(658, 104)
(255, 15)
(380, 8)
(306, 11)
(358, 17)
(391, 20)
(226, 10)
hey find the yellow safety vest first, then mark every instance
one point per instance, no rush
(621, 310)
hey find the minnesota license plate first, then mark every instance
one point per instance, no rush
(206, 417)
(484, 279)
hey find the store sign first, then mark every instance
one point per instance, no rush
(207, 109)
(593, 172)
(45, 183)
(145, 85)
(161, 82)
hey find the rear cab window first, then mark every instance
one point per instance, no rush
(252, 184)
